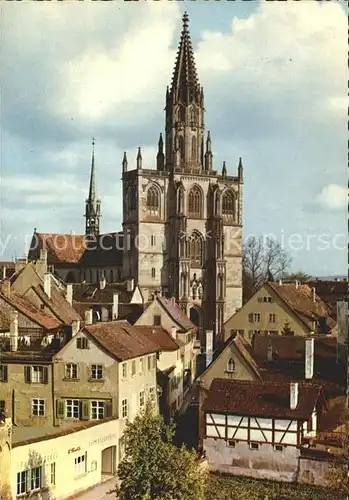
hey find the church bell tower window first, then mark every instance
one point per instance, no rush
(194, 208)
(153, 201)
(228, 203)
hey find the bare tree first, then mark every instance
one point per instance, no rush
(263, 260)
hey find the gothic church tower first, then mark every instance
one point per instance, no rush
(182, 221)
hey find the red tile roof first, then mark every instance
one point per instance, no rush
(176, 313)
(57, 304)
(160, 337)
(292, 347)
(22, 305)
(61, 248)
(299, 299)
(262, 399)
(121, 340)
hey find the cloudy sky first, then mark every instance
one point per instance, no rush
(275, 82)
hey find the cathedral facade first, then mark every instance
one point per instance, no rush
(182, 221)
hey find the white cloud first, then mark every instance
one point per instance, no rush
(333, 198)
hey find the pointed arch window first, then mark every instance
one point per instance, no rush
(231, 365)
(181, 147)
(180, 200)
(196, 249)
(195, 202)
(228, 203)
(193, 148)
(153, 200)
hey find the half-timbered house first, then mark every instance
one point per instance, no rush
(259, 428)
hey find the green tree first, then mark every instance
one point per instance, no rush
(155, 469)
(264, 259)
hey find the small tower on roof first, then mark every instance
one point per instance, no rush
(93, 205)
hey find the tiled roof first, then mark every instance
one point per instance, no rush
(292, 347)
(75, 249)
(121, 339)
(176, 313)
(92, 294)
(61, 248)
(160, 337)
(108, 251)
(299, 298)
(262, 399)
(30, 311)
(57, 304)
(289, 360)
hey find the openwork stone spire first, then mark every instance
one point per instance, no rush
(185, 82)
(93, 205)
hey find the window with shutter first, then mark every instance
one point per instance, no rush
(60, 408)
(85, 410)
(27, 374)
(78, 343)
(108, 410)
(3, 373)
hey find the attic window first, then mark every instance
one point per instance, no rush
(231, 365)
(157, 320)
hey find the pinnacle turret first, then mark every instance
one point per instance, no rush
(124, 163)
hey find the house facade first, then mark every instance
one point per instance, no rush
(52, 463)
(282, 309)
(165, 312)
(258, 429)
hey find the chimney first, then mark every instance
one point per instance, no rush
(115, 310)
(293, 395)
(280, 282)
(43, 255)
(173, 301)
(14, 331)
(130, 285)
(209, 346)
(69, 294)
(102, 283)
(6, 288)
(47, 284)
(4, 273)
(309, 358)
(88, 317)
(75, 327)
(297, 283)
(174, 332)
(313, 294)
(20, 264)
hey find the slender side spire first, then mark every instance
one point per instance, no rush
(224, 169)
(124, 162)
(139, 159)
(160, 158)
(93, 205)
(240, 170)
(185, 81)
(208, 154)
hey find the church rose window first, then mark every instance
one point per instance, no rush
(153, 198)
(195, 202)
(228, 203)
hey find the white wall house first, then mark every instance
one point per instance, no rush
(60, 464)
(259, 428)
